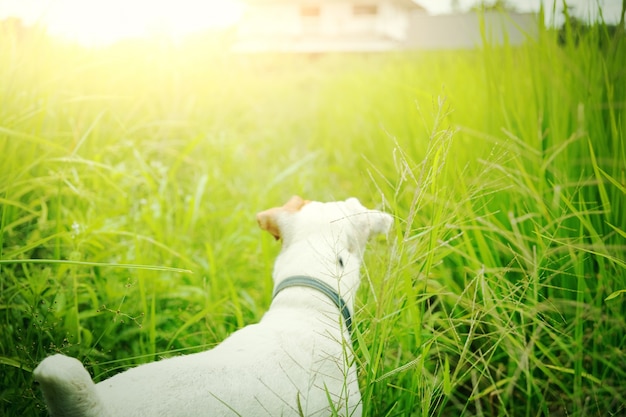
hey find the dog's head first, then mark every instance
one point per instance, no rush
(346, 222)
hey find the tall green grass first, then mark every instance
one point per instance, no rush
(126, 168)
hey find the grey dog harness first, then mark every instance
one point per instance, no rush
(316, 284)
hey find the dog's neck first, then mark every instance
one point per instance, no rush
(334, 266)
(299, 281)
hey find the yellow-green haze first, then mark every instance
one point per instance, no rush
(125, 168)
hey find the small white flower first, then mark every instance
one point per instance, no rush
(75, 229)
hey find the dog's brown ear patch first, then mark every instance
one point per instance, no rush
(295, 203)
(268, 219)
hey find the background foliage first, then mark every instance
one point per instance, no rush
(498, 293)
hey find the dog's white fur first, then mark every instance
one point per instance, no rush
(296, 361)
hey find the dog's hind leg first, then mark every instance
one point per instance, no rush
(68, 389)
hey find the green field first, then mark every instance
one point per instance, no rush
(130, 178)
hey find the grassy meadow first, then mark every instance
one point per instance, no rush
(130, 178)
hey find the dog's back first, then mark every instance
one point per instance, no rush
(274, 368)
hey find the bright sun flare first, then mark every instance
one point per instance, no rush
(100, 22)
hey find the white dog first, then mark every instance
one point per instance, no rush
(297, 361)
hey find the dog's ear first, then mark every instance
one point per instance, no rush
(268, 219)
(374, 222)
(379, 222)
(367, 223)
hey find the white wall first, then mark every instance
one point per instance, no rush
(336, 18)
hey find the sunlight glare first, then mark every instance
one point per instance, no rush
(104, 22)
